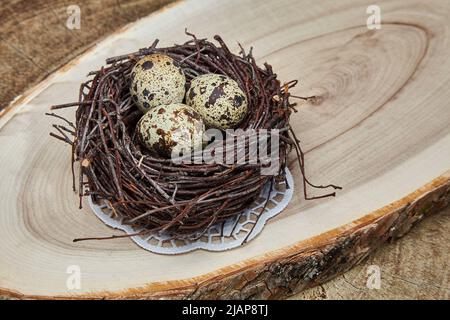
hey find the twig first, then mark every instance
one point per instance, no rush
(153, 193)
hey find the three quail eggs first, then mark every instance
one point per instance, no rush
(168, 125)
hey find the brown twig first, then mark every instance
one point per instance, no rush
(152, 193)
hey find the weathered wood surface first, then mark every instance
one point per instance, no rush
(415, 266)
(381, 129)
(35, 40)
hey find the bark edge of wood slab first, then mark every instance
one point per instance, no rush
(380, 130)
(291, 270)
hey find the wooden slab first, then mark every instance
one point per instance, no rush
(381, 129)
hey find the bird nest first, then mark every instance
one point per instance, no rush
(157, 194)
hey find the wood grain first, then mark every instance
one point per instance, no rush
(415, 266)
(380, 128)
(34, 39)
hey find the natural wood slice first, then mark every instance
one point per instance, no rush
(380, 128)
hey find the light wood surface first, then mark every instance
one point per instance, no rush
(380, 129)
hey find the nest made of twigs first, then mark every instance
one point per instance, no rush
(153, 193)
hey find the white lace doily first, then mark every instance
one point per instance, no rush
(219, 237)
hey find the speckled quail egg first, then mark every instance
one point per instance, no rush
(171, 128)
(218, 99)
(157, 80)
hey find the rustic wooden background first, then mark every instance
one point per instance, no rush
(34, 41)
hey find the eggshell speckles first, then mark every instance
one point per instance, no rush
(156, 80)
(167, 128)
(218, 99)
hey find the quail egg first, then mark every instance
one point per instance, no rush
(157, 80)
(218, 99)
(171, 129)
